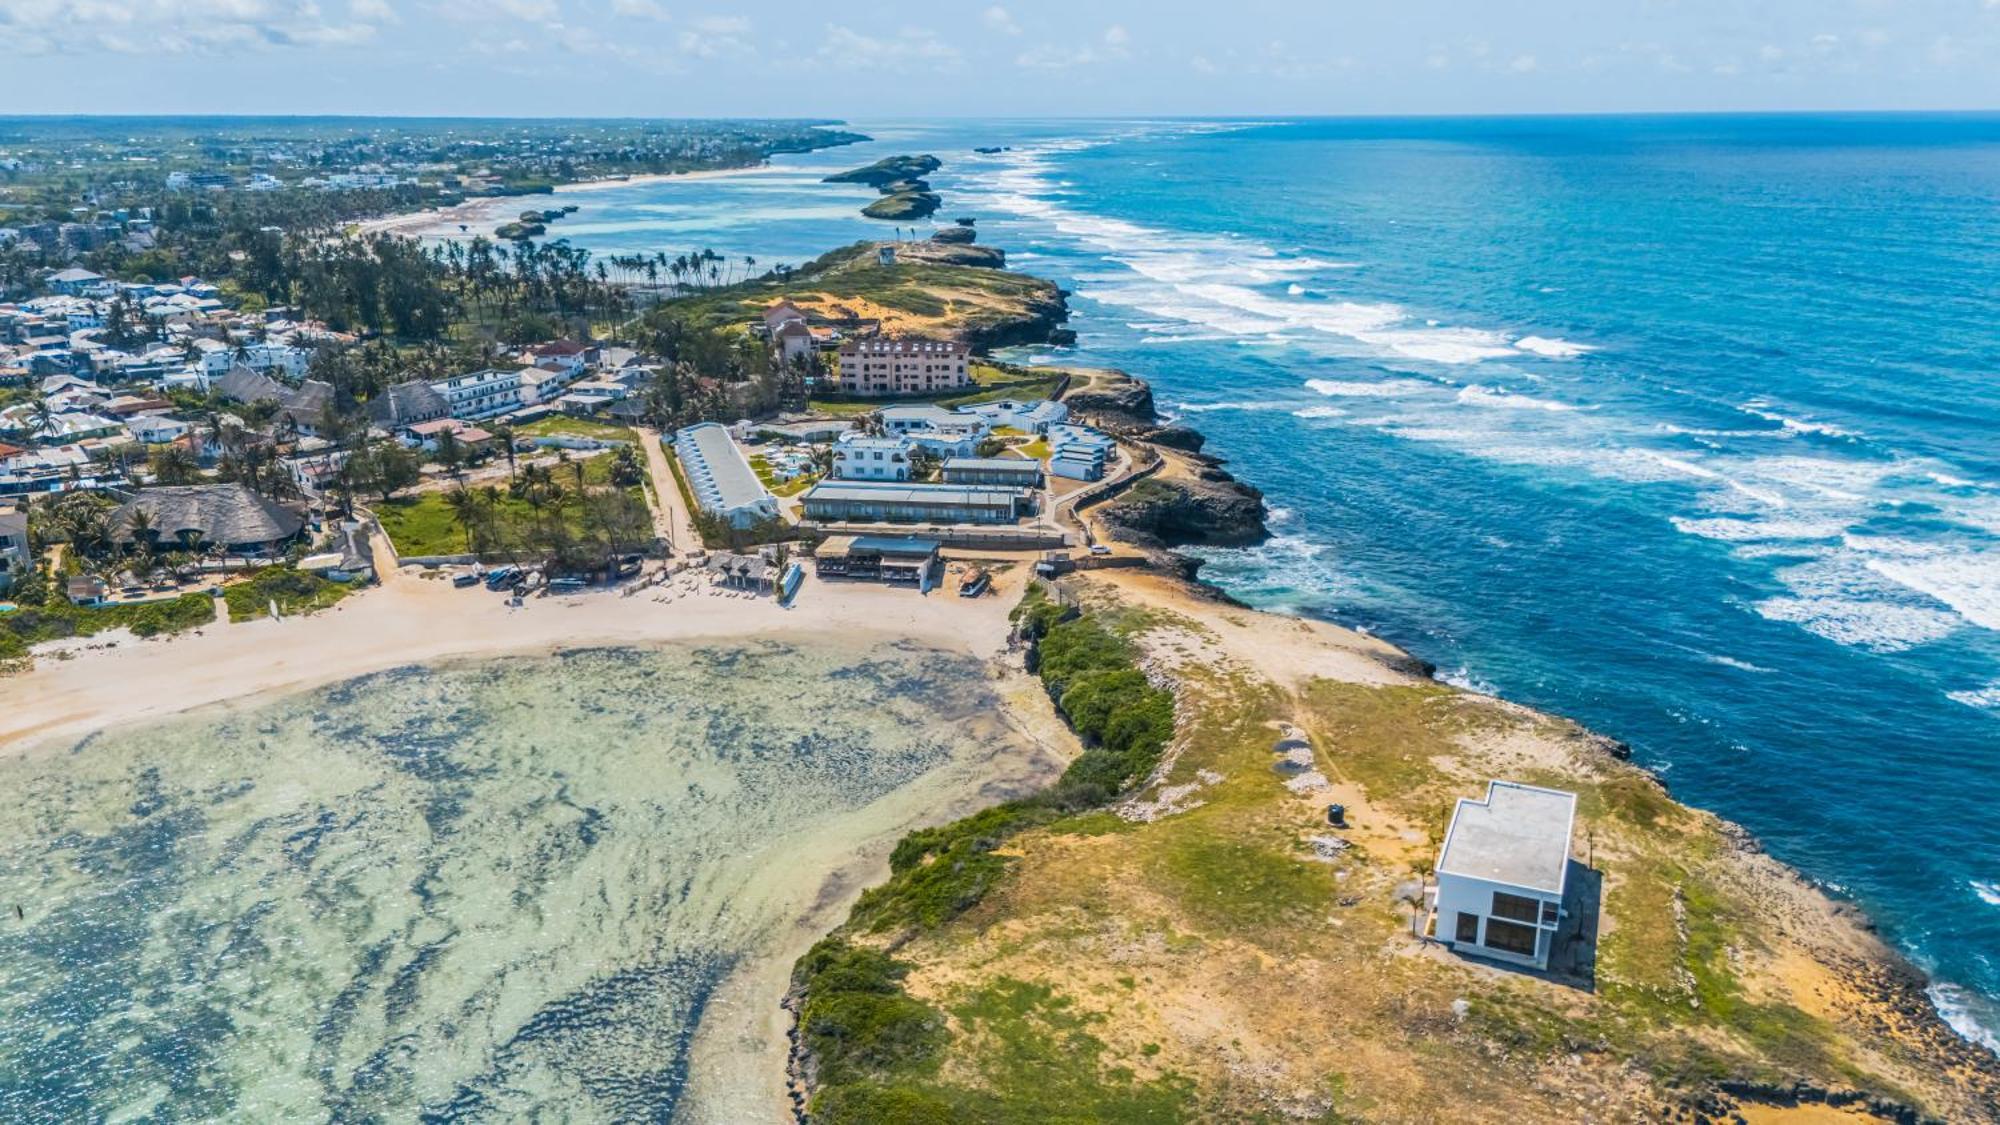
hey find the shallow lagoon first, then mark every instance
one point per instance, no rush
(459, 893)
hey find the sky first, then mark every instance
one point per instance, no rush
(860, 59)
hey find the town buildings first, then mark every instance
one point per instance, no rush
(883, 367)
(1503, 871)
(720, 476)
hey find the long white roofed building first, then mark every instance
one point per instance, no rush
(720, 476)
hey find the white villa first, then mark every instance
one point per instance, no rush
(858, 456)
(1503, 871)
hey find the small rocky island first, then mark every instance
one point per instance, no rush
(531, 224)
(900, 179)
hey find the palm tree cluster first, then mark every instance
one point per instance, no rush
(565, 525)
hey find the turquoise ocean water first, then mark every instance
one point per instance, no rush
(1688, 428)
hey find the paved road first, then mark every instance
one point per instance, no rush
(670, 514)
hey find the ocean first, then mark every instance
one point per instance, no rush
(1687, 428)
(500, 890)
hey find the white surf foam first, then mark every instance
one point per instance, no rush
(1955, 1008)
(1503, 399)
(1312, 412)
(1552, 347)
(1387, 388)
(1984, 698)
(1967, 581)
(1989, 893)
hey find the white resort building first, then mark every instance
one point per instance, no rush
(1503, 871)
(720, 476)
(858, 456)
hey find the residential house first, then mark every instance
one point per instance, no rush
(879, 367)
(75, 282)
(910, 419)
(13, 544)
(1503, 871)
(86, 589)
(425, 435)
(566, 356)
(158, 429)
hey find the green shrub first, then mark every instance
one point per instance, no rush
(857, 1019)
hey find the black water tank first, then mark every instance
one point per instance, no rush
(1336, 815)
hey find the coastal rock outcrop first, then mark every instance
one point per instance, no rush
(1113, 400)
(888, 170)
(1212, 509)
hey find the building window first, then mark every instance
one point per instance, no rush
(1516, 908)
(1468, 927)
(1551, 913)
(1510, 937)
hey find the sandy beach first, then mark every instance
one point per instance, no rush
(481, 214)
(411, 619)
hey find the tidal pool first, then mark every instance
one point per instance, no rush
(486, 890)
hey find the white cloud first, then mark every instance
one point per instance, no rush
(912, 48)
(639, 9)
(483, 11)
(181, 26)
(714, 37)
(999, 19)
(1201, 65)
(1523, 64)
(1112, 47)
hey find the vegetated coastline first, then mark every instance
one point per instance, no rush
(1170, 931)
(906, 194)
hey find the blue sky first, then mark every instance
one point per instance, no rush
(881, 58)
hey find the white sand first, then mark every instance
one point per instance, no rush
(413, 620)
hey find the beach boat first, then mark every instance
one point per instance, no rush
(974, 583)
(502, 577)
(795, 575)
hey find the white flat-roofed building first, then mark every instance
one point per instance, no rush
(482, 394)
(720, 476)
(892, 502)
(1030, 417)
(859, 456)
(1503, 871)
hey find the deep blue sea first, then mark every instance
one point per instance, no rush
(1685, 427)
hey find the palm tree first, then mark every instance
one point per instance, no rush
(466, 510)
(139, 526)
(41, 416)
(504, 434)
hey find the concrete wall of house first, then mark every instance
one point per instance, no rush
(1458, 894)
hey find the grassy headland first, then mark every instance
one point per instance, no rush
(1173, 932)
(932, 289)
